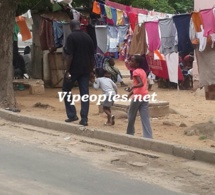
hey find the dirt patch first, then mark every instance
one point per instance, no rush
(41, 105)
(187, 110)
(203, 130)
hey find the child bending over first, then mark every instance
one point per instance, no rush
(109, 89)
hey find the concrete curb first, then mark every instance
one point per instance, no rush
(136, 142)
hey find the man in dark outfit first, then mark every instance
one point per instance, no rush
(79, 55)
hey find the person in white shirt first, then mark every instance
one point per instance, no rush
(109, 89)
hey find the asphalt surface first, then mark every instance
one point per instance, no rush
(31, 170)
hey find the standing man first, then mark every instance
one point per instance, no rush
(79, 56)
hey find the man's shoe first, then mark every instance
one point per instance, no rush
(71, 119)
(84, 123)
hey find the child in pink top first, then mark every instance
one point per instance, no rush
(139, 93)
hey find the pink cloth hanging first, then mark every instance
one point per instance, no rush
(208, 21)
(154, 41)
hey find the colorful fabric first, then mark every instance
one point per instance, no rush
(58, 34)
(138, 42)
(24, 30)
(142, 18)
(96, 8)
(159, 67)
(133, 19)
(109, 18)
(197, 21)
(15, 32)
(168, 32)
(114, 15)
(47, 35)
(182, 23)
(102, 7)
(112, 37)
(208, 21)
(120, 20)
(154, 41)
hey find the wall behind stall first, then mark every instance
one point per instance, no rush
(203, 4)
(200, 5)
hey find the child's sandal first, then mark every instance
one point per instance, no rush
(107, 124)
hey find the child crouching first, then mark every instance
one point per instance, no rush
(109, 89)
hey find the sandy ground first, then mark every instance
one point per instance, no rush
(191, 109)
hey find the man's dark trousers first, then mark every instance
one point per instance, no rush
(83, 83)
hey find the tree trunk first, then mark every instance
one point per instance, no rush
(7, 18)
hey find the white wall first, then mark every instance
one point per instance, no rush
(203, 4)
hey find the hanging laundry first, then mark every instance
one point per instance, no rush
(192, 33)
(197, 21)
(125, 18)
(202, 39)
(24, 30)
(123, 30)
(142, 18)
(58, 34)
(102, 7)
(120, 20)
(76, 14)
(114, 15)
(169, 39)
(154, 41)
(123, 53)
(66, 32)
(159, 67)
(47, 35)
(172, 61)
(138, 42)
(182, 23)
(133, 19)
(112, 38)
(28, 18)
(101, 36)
(109, 18)
(197, 38)
(208, 21)
(158, 55)
(195, 72)
(96, 8)
(15, 32)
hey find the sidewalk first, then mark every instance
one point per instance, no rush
(137, 142)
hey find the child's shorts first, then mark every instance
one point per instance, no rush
(108, 102)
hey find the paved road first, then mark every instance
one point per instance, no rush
(31, 170)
